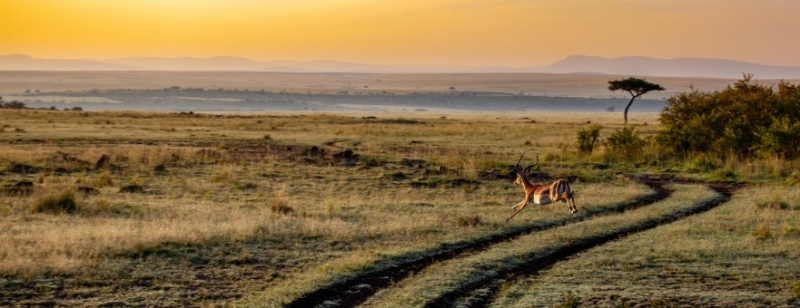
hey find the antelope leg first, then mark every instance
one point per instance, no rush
(514, 207)
(518, 210)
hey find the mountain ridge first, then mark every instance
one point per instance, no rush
(574, 64)
(676, 67)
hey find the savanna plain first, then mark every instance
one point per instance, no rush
(378, 209)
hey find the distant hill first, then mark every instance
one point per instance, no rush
(26, 63)
(187, 64)
(638, 66)
(679, 67)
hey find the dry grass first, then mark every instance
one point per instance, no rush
(224, 213)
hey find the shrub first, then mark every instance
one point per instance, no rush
(588, 139)
(625, 143)
(744, 120)
(781, 139)
(56, 204)
(14, 105)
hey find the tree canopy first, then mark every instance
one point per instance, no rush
(635, 86)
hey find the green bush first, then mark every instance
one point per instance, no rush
(781, 139)
(588, 139)
(744, 120)
(625, 143)
(56, 204)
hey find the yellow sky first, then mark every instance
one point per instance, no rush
(404, 32)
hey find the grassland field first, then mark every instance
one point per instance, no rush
(133, 208)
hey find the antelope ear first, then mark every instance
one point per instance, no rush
(528, 168)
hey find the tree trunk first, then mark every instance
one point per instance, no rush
(629, 106)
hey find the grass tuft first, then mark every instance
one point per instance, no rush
(776, 204)
(104, 179)
(244, 185)
(762, 232)
(468, 221)
(796, 289)
(571, 300)
(56, 204)
(789, 230)
(280, 206)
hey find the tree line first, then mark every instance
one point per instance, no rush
(746, 120)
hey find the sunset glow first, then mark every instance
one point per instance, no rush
(505, 33)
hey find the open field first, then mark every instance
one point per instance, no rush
(378, 209)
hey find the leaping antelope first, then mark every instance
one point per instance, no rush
(541, 194)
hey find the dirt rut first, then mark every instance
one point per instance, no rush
(358, 289)
(482, 292)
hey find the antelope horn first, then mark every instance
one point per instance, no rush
(516, 166)
(528, 168)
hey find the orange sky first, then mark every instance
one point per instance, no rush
(404, 32)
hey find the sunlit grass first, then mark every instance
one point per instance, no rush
(594, 197)
(447, 276)
(738, 254)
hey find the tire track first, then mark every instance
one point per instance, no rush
(358, 289)
(483, 292)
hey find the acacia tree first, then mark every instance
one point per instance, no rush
(636, 87)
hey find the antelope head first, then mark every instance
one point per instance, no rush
(522, 173)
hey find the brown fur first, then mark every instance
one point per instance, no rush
(558, 190)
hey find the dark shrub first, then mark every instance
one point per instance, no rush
(56, 204)
(588, 139)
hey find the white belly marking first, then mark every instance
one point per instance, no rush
(544, 199)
